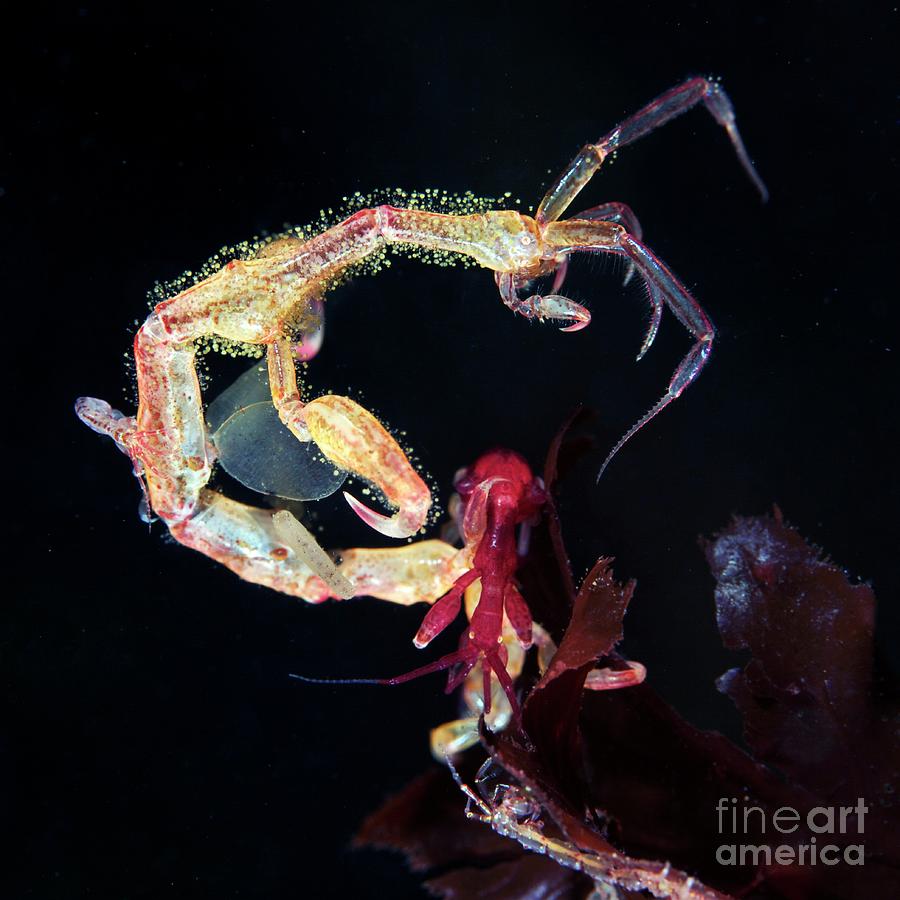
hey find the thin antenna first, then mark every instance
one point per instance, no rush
(307, 680)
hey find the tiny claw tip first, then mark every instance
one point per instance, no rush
(386, 525)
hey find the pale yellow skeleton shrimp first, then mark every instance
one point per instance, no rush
(267, 300)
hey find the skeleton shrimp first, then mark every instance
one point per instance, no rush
(496, 496)
(513, 813)
(269, 301)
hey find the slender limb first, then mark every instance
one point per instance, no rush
(623, 214)
(676, 296)
(593, 230)
(498, 664)
(655, 114)
(457, 657)
(687, 310)
(620, 213)
(518, 614)
(656, 311)
(444, 611)
(99, 416)
(515, 814)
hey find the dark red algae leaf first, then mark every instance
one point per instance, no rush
(586, 831)
(594, 628)
(807, 696)
(649, 783)
(622, 762)
(552, 709)
(628, 774)
(656, 782)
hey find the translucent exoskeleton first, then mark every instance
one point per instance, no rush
(272, 300)
(514, 812)
(497, 502)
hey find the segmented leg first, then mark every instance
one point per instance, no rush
(420, 572)
(444, 611)
(655, 114)
(662, 283)
(620, 213)
(250, 542)
(541, 306)
(515, 813)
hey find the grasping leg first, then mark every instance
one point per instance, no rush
(353, 439)
(655, 114)
(621, 214)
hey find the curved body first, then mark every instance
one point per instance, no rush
(269, 300)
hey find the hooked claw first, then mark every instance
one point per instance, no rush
(400, 525)
(353, 439)
(553, 306)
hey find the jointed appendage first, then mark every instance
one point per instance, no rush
(273, 300)
(515, 813)
(661, 283)
(658, 112)
(498, 499)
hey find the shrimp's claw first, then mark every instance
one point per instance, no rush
(353, 439)
(395, 526)
(551, 306)
(558, 307)
(555, 306)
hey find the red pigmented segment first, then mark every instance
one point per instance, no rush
(502, 482)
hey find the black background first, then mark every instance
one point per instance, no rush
(153, 745)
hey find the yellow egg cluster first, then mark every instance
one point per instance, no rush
(429, 199)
